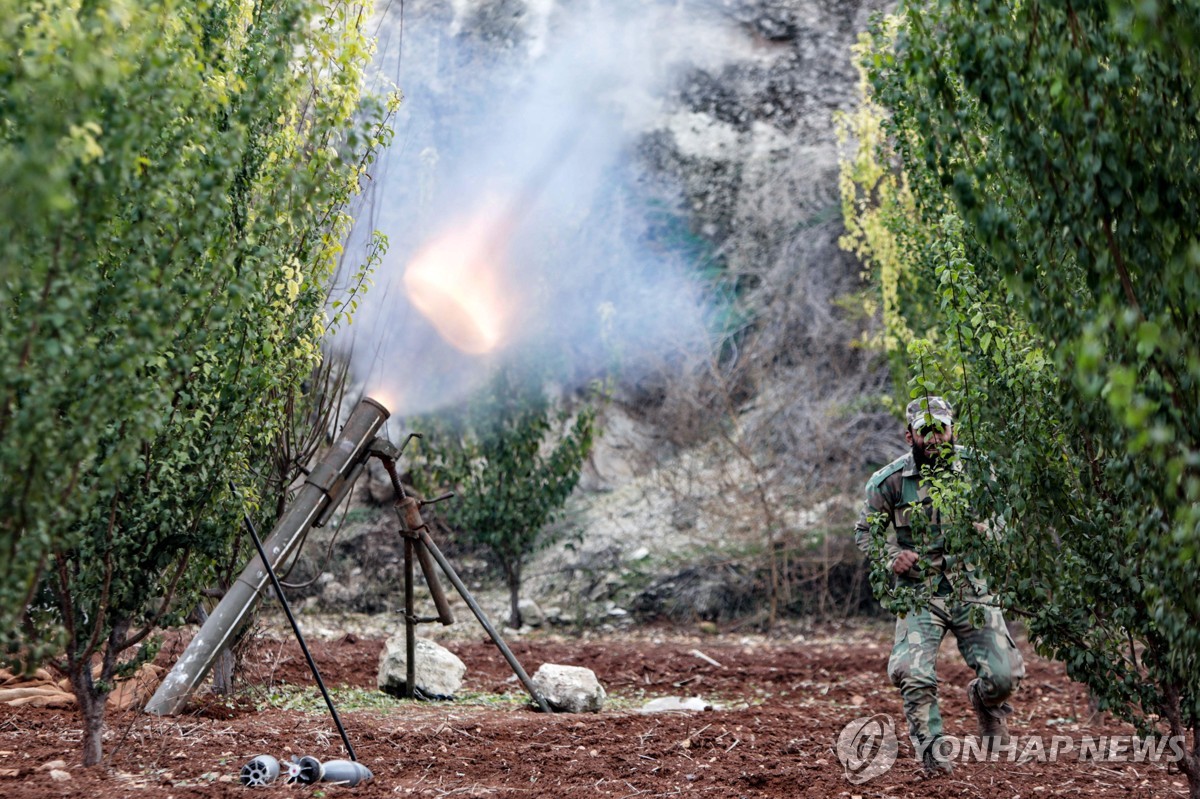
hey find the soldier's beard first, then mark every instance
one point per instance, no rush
(930, 455)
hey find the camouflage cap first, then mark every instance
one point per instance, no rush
(936, 407)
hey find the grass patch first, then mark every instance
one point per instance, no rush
(307, 699)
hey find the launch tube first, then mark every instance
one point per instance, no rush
(326, 484)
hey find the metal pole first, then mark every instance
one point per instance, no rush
(410, 622)
(327, 483)
(408, 510)
(428, 543)
(312, 664)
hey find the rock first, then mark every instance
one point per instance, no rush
(439, 672)
(376, 485)
(685, 515)
(569, 689)
(58, 775)
(334, 594)
(531, 613)
(708, 592)
(52, 765)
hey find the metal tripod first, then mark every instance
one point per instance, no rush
(418, 542)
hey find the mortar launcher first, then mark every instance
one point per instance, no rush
(329, 482)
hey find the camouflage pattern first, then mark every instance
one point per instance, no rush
(928, 409)
(899, 502)
(897, 495)
(988, 651)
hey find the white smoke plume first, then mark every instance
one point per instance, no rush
(512, 189)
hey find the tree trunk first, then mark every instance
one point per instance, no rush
(222, 673)
(91, 708)
(512, 571)
(222, 677)
(1190, 766)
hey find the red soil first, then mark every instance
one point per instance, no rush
(780, 707)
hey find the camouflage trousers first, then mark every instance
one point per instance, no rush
(989, 651)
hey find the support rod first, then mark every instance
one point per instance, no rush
(410, 623)
(408, 510)
(312, 664)
(427, 541)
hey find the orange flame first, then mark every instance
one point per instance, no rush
(455, 281)
(385, 395)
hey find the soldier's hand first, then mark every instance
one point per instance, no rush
(904, 561)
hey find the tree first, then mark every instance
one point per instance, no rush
(1052, 151)
(177, 177)
(512, 461)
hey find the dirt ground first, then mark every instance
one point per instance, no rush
(778, 706)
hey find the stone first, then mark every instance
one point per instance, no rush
(569, 689)
(707, 592)
(334, 594)
(439, 672)
(531, 613)
(376, 485)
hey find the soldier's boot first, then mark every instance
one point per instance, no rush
(934, 763)
(993, 724)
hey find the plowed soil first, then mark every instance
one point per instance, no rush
(778, 706)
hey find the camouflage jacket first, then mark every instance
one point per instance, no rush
(900, 500)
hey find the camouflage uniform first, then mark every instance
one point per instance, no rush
(896, 492)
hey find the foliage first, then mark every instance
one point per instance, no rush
(1052, 150)
(512, 460)
(176, 176)
(877, 206)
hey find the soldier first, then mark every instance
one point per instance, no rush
(898, 497)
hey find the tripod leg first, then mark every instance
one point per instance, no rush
(435, 588)
(408, 510)
(427, 543)
(410, 622)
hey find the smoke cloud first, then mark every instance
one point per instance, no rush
(517, 141)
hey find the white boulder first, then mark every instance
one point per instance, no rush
(439, 672)
(569, 689)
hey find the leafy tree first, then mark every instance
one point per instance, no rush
(512, 460)
(1052, 151)
(177, 177)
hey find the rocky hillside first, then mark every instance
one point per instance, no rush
(724, 476)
